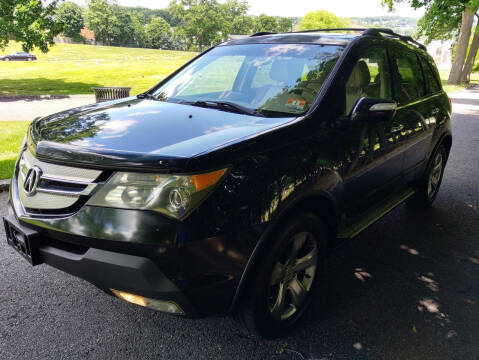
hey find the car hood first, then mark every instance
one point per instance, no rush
(142, 132)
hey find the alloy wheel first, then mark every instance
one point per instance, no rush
(293, 276)
(435, 176)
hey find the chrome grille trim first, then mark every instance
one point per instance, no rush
(61, 172)
(87, 191)
(69, 183)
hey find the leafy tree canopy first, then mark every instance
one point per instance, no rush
(159, 33)
(124, 31)
(265, 23)
(71, 15)
(285, 24)
(441, 21)
(322, 19)
(102, 20)
(31, 22)
(139, 31)
(242, 24)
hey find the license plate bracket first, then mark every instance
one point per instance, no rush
(22, 239)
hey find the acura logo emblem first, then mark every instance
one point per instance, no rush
(32, 180)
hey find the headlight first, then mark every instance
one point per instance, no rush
(173, 195)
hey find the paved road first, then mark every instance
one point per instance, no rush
(28, 108)
(406, 288)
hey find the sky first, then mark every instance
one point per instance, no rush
(298, 8)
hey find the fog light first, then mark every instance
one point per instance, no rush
(159, 305)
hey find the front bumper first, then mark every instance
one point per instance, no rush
(106, 269)
(144, 253)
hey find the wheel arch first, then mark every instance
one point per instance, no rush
(321, 204)
(446, 140)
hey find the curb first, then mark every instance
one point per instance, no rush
(4, 185)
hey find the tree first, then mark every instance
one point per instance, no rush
(145, 15)
(265, 23)
(71, 15)
(124, 34)
(242, 25)
(235, 8)
(232, 9)
(471, 56)
(441, 21)
(285, 25)
(102, 21)
(203, 22)
(139, 32)
(445, 20)
(322, 19)
(159, 34)
(30, 22)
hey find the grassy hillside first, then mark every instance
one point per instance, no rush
(74, 69)
(11, 138)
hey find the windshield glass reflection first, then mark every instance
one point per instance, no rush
(270, 79)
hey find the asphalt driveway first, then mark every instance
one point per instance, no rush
(406, 288)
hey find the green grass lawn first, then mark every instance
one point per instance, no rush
(73, 69)
(11, 136)
(452, 88)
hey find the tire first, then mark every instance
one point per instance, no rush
(431, 182)
(283, 286)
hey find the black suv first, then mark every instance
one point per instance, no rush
(222, 189)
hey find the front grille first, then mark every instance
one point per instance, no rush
(58, 187)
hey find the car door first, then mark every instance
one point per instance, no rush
(371, 157)
(414, 119)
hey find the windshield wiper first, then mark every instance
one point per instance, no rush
(146, 96)
(226, 106)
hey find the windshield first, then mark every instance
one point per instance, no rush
(269, 79)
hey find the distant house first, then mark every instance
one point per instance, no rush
(88, 35)
(441, 53)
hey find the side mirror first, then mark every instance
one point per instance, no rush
(373, 110)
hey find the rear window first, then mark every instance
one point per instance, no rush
(410, 80)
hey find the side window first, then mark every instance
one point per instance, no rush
(431, 79)
(370, 77)
(409, 78)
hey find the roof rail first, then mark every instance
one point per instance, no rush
(261, 33)
(405, 38)
(365, 32)
(326, 30)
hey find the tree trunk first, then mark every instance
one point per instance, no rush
(461, 47)
(471, 57)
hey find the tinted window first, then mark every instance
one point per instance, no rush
(409, 78)
(370, 77)
(431, 80)
(272, 79)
